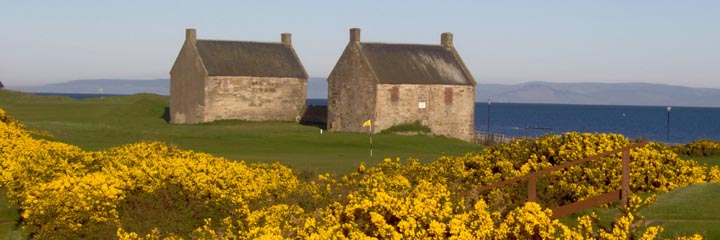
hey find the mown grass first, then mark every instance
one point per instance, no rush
(681, 212)
(9, 217)
(712, 160)
(688, 210)
(95, 124)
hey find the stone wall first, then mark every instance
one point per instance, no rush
(187, 82)
(351, 92)
(448, 109)
(254, 98)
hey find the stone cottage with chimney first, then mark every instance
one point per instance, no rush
(394, 84)
(216, 79)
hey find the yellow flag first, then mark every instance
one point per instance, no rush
(367, 123)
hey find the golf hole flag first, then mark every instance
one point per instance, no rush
(367, 123)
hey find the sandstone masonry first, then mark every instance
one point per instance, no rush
(213, 80)
(393, 84)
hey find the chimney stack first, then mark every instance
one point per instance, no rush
(354, 35)
(446, 39)
(286, 39)
(190, 35)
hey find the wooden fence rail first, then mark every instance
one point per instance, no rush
(564, 210)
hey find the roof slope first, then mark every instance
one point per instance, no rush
(255, 59)
(415, 64)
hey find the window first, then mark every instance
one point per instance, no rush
(448, 96)
(422, 98)
(394, 94)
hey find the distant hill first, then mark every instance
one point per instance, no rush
(638, 94)
(108, 86)
(643, 94)
(317, 87)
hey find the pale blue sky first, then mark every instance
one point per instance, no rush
(670, 42)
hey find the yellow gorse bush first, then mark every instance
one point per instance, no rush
(150, 190)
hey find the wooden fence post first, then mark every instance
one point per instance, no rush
(625, 176)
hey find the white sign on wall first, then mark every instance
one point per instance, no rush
(422, 105)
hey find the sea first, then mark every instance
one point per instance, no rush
(656, 123)
(676, 126)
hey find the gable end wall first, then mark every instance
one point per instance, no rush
(453, 119)
(351, 92)
(187, 81)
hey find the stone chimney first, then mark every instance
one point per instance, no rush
(190, 35)
(286, 39)
(446, 39)
(354, 35)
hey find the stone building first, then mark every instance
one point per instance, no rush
(394, 84)
(213, 80)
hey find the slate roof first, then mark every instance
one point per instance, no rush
(255, 59)
(415, 64)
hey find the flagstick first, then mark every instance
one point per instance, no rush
(371, 152)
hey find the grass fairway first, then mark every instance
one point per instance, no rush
(688, 210)
(681, 212)
(95, 124)
(713, 160)
(8, 220)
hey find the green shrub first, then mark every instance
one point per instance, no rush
(699, 148)
(416, 127)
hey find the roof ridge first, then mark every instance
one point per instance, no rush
(220, 40)
(412, 44)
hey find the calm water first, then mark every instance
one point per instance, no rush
(79, 95)
(516, 119)
(686, 123)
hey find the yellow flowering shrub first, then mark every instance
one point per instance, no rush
(713, 174)
(78, 205)
(529, 222)
(654, 167)
(64, 192)
(628, 225)
(150, 190)
(27, 162)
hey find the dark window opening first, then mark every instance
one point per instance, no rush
(448, 96)
(394, 94)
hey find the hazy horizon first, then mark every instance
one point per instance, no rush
(314, 77)
(640, 94)
(663, 42)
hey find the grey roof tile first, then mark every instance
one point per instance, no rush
(255, 59)
(415, 64)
